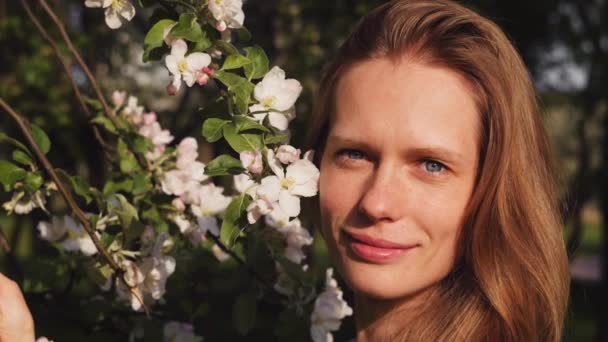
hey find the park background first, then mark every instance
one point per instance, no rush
(564, 44)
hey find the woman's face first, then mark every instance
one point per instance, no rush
(397, 172)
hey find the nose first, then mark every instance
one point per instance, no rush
(384, 197)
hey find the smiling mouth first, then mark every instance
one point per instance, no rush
(375, 250)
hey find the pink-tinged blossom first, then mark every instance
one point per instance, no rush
(252, 161)
(287, 154)
(228, 13)
(185, 67)
(118, 98)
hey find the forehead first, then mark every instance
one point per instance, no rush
(406, 103)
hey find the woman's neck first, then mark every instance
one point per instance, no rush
(381, 320)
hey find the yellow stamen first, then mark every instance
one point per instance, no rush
(182, 66)
(287, 183)
(269, 101)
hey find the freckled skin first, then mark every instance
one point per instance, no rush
(395, 181)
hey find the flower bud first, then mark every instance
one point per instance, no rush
(221, 26)
(178, 204)
(118, 98)
(202, 78)
(209, 71)
(252, 161)
(288, 154)
(171, 89)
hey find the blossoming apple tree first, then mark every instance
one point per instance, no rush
(162, 212)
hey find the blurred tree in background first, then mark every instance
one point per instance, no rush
(564, 43)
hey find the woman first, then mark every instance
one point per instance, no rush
(436, 192)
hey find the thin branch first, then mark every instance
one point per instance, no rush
(46, 164)
(66, 38)
(4, 243)
(109, 113)
(240, 261)
(66, 68)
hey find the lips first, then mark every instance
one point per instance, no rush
(375, 250)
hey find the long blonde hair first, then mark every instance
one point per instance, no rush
(511, 279)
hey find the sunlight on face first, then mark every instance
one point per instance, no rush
(396, 174)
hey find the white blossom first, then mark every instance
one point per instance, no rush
(68, 233)
(219, 254)
(228, 13)
(329, 310)
(23, 203)
(180, 332)
(244, 184)
(296, 238)
(115, 11)
(276, 97)
(210, 201)
(257, 209)
(185, 67)
(284, 188)
(252, 161)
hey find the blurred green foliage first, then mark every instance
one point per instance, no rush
(299, 36)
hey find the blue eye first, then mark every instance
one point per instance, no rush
(433, 166)
(351, 154)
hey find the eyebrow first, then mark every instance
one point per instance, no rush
(439, 152)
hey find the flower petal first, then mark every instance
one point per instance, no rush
(179, 49)
(112, 19)
(289, 203)
(278, 120)
(197, 61)
(269, 189)
(127, 11)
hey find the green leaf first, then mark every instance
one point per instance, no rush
(94, 104)
(42, 140)
(241, 142)
(295, 271)
(112, 187)
(239, 86)
(275, 137)
(126, 212)
(22, 158)
(17, 143)
(79, 185)
(235, 62)
(243, 34)
(245, 123)
(230, 229)
(33, 181)
(259, 63)
(10, 174)
(141, 184)
(212, 129)
(105, 123)
(224, 165)
(244, 312)
(127, 162)
(154, 38)
(225, 47)
(188, 28)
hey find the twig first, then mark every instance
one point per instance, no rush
(240, 260)
(66, 68)
(109, 113)
(66, 38)
(46, 164)
(4, 243)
